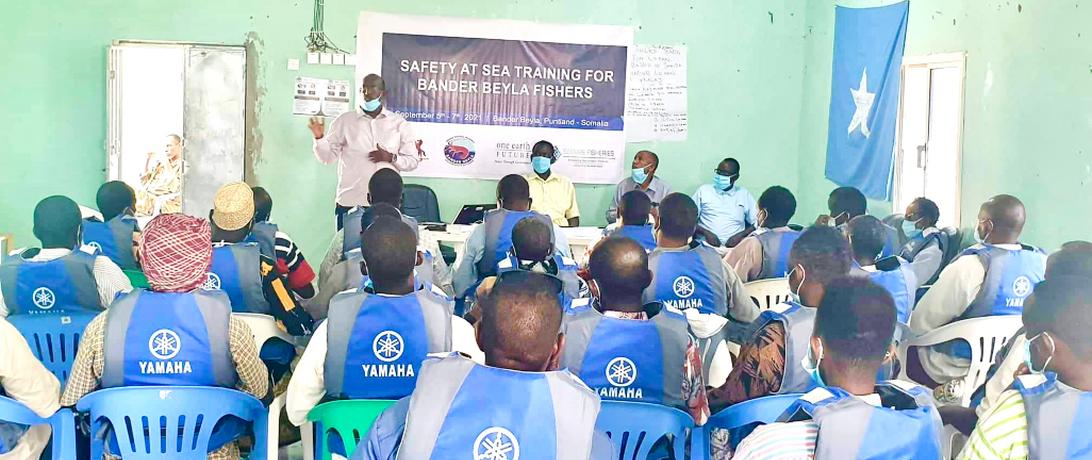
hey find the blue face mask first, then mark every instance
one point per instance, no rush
(811, 366)
(723, 183)
(910, 229)
(639, 175)
(370, 106)
(1027, 353)
(540, 164)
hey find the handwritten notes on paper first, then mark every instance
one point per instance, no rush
(656, 94)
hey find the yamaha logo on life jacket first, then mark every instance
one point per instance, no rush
(96, 245)
(44, 298)
(1022, 288)
(684, 288)
(388, 346)
(496, 443)
(165, 344)
(621, 373)
(212, 282)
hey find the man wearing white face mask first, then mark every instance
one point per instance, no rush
(361, 142)
(990, 278)
(643, 177)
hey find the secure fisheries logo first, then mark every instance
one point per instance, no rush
(165, 344)
(684, 287)
(460, 150)
(621, 372)
(388, 346)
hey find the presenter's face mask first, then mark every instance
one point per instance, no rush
(371, 106)
(540, 164)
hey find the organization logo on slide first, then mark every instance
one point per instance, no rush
(459, 150)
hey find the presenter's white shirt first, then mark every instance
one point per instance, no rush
(352, 137)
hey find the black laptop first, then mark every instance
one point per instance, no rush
(473, 213)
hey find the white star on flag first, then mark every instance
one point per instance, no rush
(863, 100)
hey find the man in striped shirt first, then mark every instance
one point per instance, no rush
(1045, 414)
(290, 261)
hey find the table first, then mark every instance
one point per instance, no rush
(581, 239)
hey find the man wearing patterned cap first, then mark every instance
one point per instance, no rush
(173, 334)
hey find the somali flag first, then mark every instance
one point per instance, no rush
(864, 97)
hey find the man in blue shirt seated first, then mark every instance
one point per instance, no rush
(727, 212)
(634, 209)
(457, 405)
(642, 179)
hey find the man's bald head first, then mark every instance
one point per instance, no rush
(1006, 216)
(619, 266)
(532, 240)
(521, 320)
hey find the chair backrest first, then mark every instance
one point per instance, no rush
(349, 420)
(62, 422)
(263, 327)
(986, 336)
(633, 428)
(894, 221)
(419, 202)
(169, 422)
(769, 292)
(759, 410)
(54, 339)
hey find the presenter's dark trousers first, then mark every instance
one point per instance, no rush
(339, 212)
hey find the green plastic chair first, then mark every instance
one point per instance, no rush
(349, 419)
(137, 278)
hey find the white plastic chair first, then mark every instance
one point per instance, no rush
(985, 335)
(264, 327)
(768, 292)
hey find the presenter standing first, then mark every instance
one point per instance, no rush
(362, 142)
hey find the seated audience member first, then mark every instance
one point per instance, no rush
(533, 250)
(116, 234)
(249, 278)
(866, 239)
(626, 349)
(489, 242)
(551, 194)
(844, 204)
(634, 209)
(726, 211)
(1073, 259)
(374, 340)
(990, 278)
(56, 278)
(850, 415)
(384, 187)
(925, 243)
(642, 179)
(765, 253)
(175, 252)
(1044, 415)
(277, 245)
(689, 275)
(24, 379)
(456, 407)
(769, 362)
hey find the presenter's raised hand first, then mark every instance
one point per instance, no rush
(381, 156)
(318, 127)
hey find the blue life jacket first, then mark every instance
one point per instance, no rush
(352, 224)
(55, 287)
(918, 243)
(265, 234)
(902, 284)
(376, 343)
(642, 234)
(236, 270)
(775, 252)
(628, 360)
(465, 410)
(161, 338)
(498, 237)
(907, 426)
(799, 322)
(113, 238)
(689, 278)
(566, 271)
(1010, 278)
(1058, 417)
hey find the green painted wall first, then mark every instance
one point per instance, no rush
(1028, 105)
(744, 79)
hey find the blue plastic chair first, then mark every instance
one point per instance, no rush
(62, 422)
(633, 428)
(756, 411)
(170, 421)
(54, 339)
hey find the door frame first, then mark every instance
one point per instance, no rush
(958, 60)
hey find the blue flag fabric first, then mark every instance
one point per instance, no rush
(864, 97)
